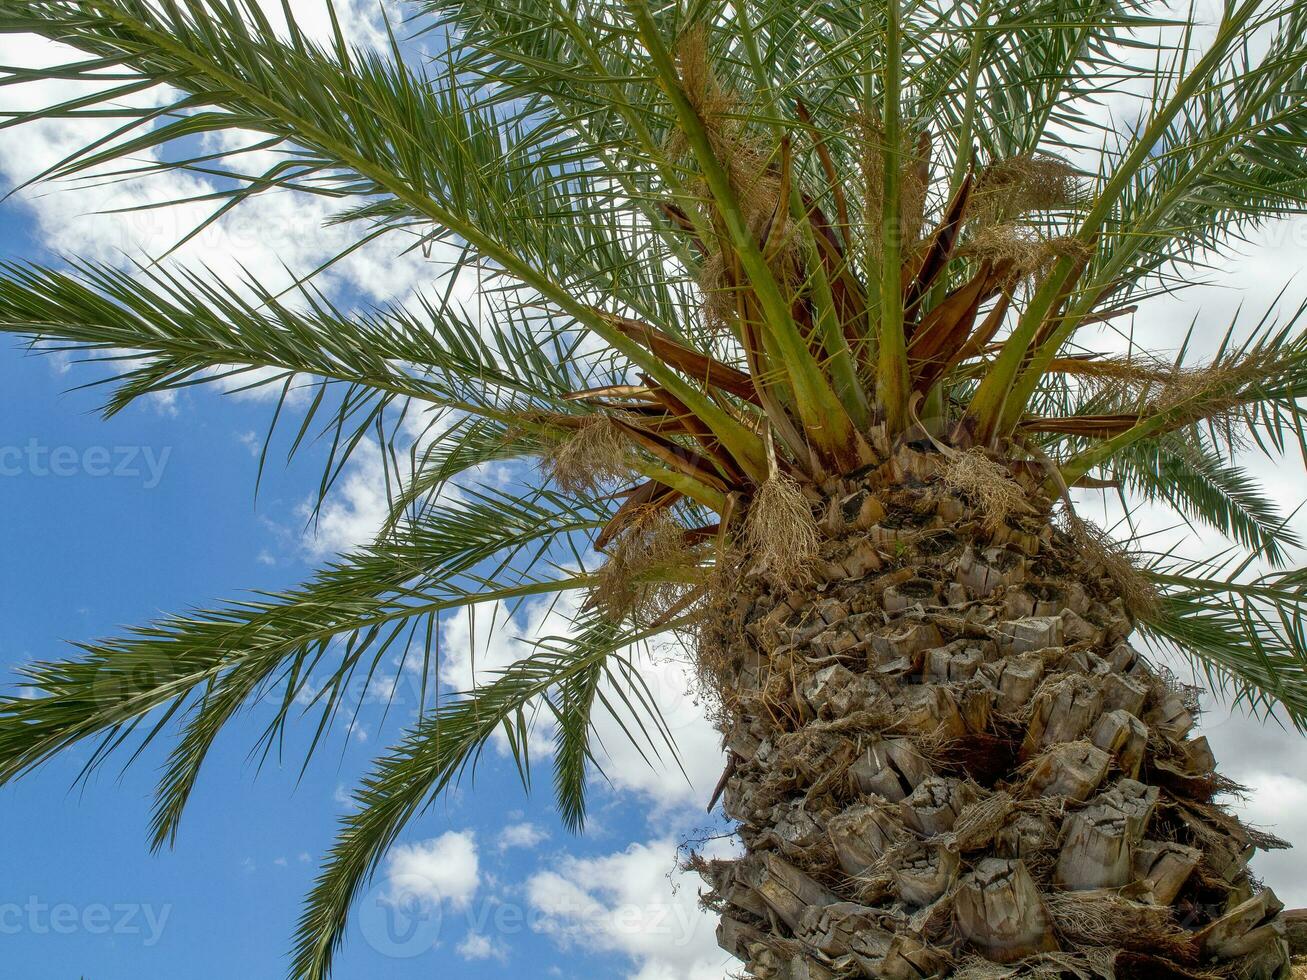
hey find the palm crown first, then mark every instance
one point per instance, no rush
(724, 252)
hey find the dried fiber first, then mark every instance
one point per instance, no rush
(635, 581)
(594, 455)
(1108, 556)
(987, 484)
(1020, 248)
(780, 533)
(1104, 919)
(1022, 184)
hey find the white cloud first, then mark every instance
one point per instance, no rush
(636, 903)
(354, 510)
(442, 869)
(524, 835)
(252, 441)
(274, 235)
(1277, 802)
(344, 797)
(479, 947)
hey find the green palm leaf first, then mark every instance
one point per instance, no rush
(723, 256)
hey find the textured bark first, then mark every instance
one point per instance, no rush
(948, 760)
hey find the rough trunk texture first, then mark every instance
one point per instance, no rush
(948, 761)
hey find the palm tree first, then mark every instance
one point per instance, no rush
(795, 306)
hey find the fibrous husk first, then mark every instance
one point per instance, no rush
(780, 533)
(1022, 184)
(594, 455)
(1104, 919)
(1212, 392)
(1206, 392)
(755, 183)
(986, 483)
(1110, 557)
(630, 583)
(1130, 378)
(978, 824)
(1048, 966)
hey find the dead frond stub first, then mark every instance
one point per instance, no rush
(594, 455)
(780, 533)
(987, 485)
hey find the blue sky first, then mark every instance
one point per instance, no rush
(114, 523)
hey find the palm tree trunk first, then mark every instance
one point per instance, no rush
(947, 760)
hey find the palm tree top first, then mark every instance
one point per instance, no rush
(725, 256)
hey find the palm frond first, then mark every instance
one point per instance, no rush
(558, 678)
(176, 329)
(344, 620)
(1246, 635)
(1189, 475)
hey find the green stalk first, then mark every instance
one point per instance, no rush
(843, 369)
(840, 363)
(962, 159)
(827, 423)
(892, 355)
(968, 128)
(1080, 464)
(687, 485)
(870, 260)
